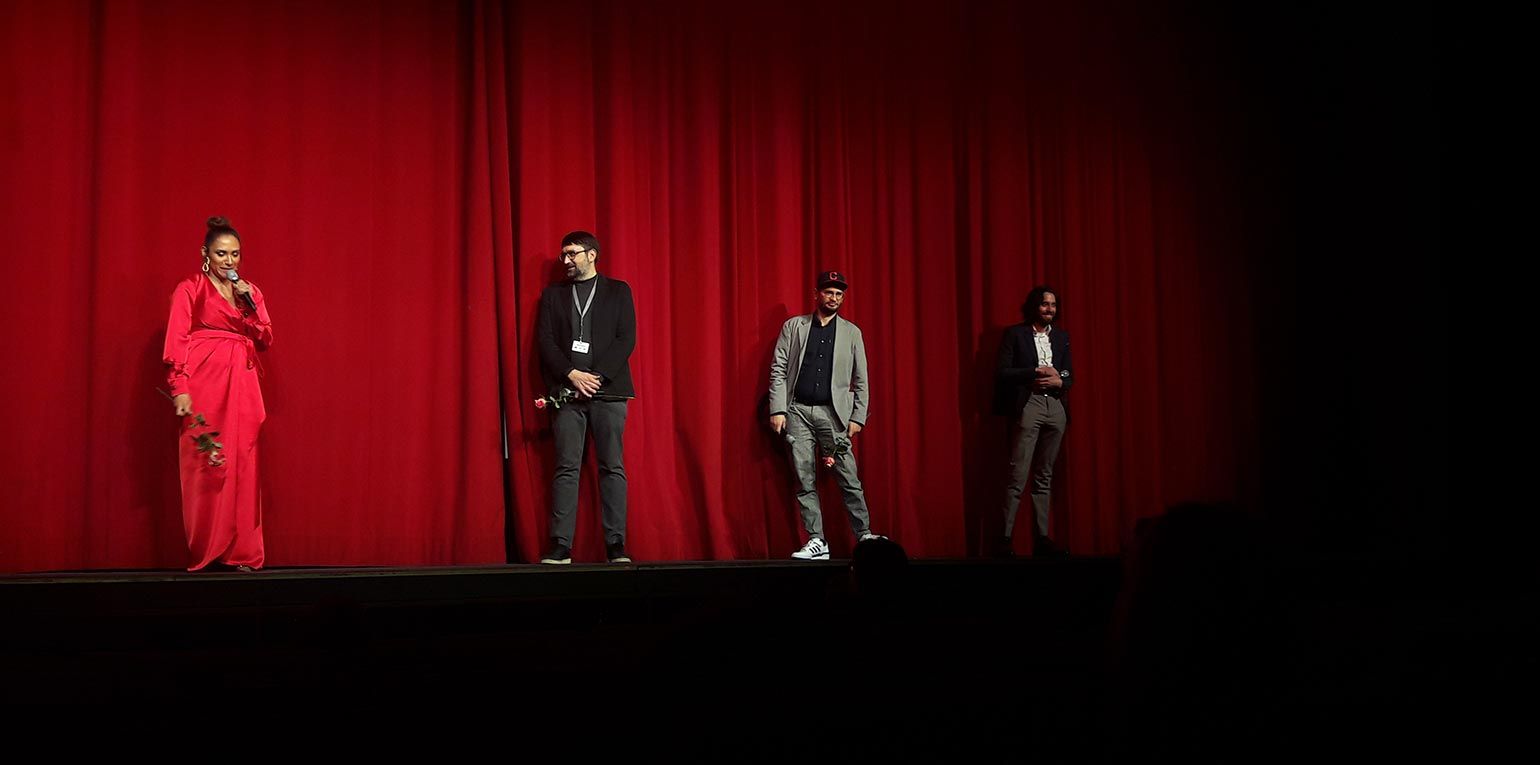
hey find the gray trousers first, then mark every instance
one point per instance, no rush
(1038, 434)
(571, 423)
(804, 424)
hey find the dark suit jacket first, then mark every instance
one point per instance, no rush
(614, 335)
(1017, 367)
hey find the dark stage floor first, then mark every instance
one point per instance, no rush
(105, 635)
(1077, 650)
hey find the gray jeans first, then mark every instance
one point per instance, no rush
(571, 423)
(1037, 445)
(804, 424)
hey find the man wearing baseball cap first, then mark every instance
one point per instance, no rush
(818, 401)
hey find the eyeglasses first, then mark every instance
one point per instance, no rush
(565, 255)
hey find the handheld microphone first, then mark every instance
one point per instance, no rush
(235, 277)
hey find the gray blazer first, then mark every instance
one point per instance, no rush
(848, 387)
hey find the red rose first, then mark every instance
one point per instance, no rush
(539, 403)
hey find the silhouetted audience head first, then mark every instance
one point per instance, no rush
(879, 568)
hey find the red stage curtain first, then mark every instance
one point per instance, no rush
(402, 174)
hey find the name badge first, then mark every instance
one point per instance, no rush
(579, 346)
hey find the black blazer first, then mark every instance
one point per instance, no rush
(614, 335)
(1017, 367)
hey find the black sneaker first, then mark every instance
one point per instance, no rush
(616, 551)
(560, 555)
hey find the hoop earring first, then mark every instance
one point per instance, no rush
(205, 265)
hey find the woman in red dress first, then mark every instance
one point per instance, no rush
(218, 323)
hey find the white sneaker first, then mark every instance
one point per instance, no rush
(870, 535)
(815, 549)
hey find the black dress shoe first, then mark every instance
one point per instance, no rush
(1004, 549)
(1043, 547)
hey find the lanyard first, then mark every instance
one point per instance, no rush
(583, 309)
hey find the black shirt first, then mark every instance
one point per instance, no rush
(583, 326)
(817, 373)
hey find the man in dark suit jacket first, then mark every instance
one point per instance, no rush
(1031, 378)
(587, 330)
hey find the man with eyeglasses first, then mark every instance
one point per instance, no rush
(586, 332)
(818, 402)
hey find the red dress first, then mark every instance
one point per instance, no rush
(211, 349)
